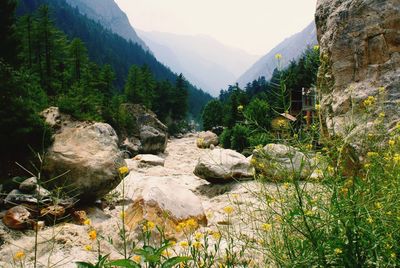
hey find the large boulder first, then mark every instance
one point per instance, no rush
(223, 165)
(206, 139)
(281, 162)
(360, 52)
(147, 135)
(84, 159)
(166, 204)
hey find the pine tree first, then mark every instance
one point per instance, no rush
(180, 98)
(8, 43)
(78, 59)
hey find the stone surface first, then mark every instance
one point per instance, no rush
(17, 197)
(206, 139)
(152, 140)
(223, 165)
(280, 162)
(28, 185)
(360, 43)
(149, 159)
(84, 158)
(165, 203)
(17, 218)
(148, 135)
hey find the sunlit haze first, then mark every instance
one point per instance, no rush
(255, 26)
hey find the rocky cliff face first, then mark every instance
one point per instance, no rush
(109, 15)
(360, 47)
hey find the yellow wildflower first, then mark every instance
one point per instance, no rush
(19, 255)
(381, 115)
(235, 196)
(286, 185)
(123, 170)
(149, 226)
(228, 210)
(261, 165)
(87, 222)
(308, 212)
(166, 253)
(391, 142)
(278, 56)
(88, 247)
(240, 108)
(331, 169)
(369, 101)
(372, 154)
(216, 235)
(317, 107)
(92, 234)
(316, 47)
(122, 214)
(137, 258)
(198, 236)
(344, 190)
(184, 244)
(396, 158)
(266, 227)
(393, 255)
(378, 205)
(192, 224)
(381, 90)
(197, 245)
(172, 243)
(309, 146)
(180, 226)
(338, 251)
(367, 165)
(370, 220)
(253, 161)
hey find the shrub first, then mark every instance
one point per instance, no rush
(239, 137)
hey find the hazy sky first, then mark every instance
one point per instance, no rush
(252, 25)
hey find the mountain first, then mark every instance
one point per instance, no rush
(291, 49)
(108, 14)
(206, 62)
(106, 47)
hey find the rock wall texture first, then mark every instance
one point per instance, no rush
(360, 47)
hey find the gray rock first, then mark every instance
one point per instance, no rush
(149, 160)
(223, 165)
(152, 140)
(29, 185)
(359, 43)
(84, 158)
(165, 203)
(148, 134)
(279, 162)
(206, 139)
(16, 197)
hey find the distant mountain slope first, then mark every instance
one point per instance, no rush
(203, 60)
(108, 14)
(290, 48)
(106, 47)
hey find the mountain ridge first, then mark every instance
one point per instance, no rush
(110, 16)
(208, 63)
(290, 48)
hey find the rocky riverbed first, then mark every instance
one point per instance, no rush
(168, 179)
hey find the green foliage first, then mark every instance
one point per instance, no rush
(9, 43)
(259, 113)
(253, 109)
(105, 47)
(212, 115)
(225, 138)
(239, 137)
(81, 104)
(21, 99)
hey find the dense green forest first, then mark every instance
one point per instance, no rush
(105, 47)
(246, 114)
(41, 65)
